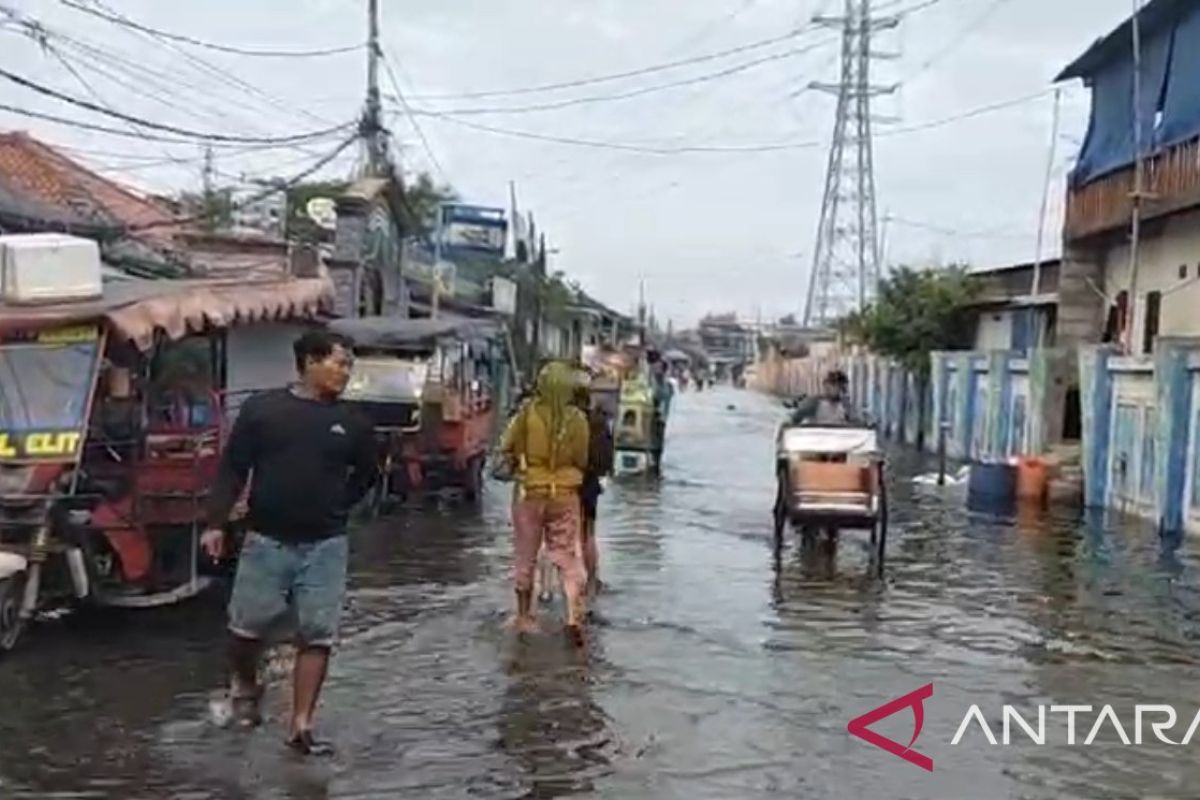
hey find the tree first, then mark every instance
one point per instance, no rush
(917, 312)
(423, 198)
(212, 210)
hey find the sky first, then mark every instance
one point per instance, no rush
(727, 229)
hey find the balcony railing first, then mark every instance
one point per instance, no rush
(1172, 183)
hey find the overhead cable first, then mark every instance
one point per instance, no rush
(730, 149)
(158, 126)
(416, 124)
(220, 48)
(644, 90)
(274, 189)
(616, 76)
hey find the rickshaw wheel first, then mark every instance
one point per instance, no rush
(879, 533)
(780, 510)
(11, 624)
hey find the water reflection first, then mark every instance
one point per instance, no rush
(719, 668)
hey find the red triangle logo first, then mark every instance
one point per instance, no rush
(860, 726)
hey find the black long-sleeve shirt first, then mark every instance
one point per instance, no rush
(310, 463)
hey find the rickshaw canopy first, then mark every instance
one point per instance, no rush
(136, 310)
(851, 441)
(399, 333)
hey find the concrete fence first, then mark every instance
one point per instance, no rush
(995, 404)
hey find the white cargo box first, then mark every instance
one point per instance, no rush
(48, 268)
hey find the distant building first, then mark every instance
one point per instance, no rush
(1010, 313)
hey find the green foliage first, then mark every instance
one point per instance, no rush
(918, 311)
(214, 210)
(424, 197)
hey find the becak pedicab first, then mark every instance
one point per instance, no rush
(831, 477)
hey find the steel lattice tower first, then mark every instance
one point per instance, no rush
(845, 269)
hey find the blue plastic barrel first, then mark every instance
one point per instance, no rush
(992, 487)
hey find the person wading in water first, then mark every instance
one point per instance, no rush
(600, 465)
(547, 442)
(312, 458)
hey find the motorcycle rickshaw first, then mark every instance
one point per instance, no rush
(108, 447)
(429, 387)
(831, 478)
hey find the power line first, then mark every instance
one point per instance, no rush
(629, 147)
(576, 101)
(416, 125)
(220, 48)
(224, 75)
(90, 57)
(109, 112)
(274, 189)
(616, 76)
(955, 41)
(949, 231)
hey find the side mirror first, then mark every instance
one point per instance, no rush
(791, 403)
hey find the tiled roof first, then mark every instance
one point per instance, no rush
(38, 182)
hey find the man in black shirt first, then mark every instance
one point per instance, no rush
(309, 459)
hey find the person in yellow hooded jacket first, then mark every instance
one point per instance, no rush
(547, 444)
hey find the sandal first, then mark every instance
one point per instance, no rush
(306, 744)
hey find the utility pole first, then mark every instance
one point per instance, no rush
(1135, 227)
(1055, 120)
(378, 160)
(209, 188)
(846, 261)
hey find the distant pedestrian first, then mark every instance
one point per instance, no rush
(309, 459)
(547, 441)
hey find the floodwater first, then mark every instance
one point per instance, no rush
(712, 670)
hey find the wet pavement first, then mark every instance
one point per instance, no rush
(712, 671)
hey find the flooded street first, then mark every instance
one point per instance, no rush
(712, 672)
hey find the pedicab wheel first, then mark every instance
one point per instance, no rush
(11, 624)
(780, 511)
(881, 524)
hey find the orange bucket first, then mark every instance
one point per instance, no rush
(1033, 479)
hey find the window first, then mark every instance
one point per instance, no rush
(1183, 271)
(1153, 310)
(1149, 436)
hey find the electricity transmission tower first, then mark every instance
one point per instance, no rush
(845, 269)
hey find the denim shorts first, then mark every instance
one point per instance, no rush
(299, 584)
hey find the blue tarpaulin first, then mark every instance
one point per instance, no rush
(1109, 144)
(1181, 106)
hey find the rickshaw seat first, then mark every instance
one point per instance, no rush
(832, 478)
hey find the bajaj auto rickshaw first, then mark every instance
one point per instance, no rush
(429, 386)
(108, 446)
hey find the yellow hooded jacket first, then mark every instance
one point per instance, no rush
(548, 437)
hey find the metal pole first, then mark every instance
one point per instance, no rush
(437, 261)
(1036, 288)
(1135, 229)
(943, 428)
